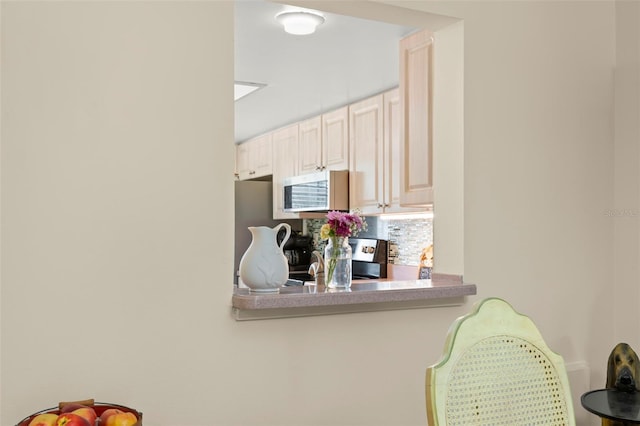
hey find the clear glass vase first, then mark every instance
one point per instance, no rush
(337, 263)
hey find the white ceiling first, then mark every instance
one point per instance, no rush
(345, 60)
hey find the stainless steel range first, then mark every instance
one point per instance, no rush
(370, 258)
(369, 261)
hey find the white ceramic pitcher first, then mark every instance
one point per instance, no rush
(264, 267)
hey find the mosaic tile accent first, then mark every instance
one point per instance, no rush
(312, 227)
(410, 236)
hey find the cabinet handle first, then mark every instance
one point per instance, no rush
(380, 205)
(318, 168)
(236, 175)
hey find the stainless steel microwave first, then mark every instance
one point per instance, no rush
(321, 191)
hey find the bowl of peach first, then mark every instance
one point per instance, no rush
(84, 413)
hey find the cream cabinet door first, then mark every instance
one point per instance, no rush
(261, 156)
(335, 139)
(242, 161)
(366, 177)
(285, 164)
(416, 178)
(254, 158)
(310, 145)
(392, 159)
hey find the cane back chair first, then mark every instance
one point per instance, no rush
(497, 370)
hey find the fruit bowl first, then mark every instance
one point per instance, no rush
(98, 407)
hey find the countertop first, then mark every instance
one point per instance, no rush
(364, 295)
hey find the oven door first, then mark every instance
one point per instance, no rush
(368, 270)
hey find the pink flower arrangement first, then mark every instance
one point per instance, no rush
(339, 225)
(342, 224)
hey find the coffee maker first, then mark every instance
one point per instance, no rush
(297, 249)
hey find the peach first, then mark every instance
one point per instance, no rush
(122, 419)
(70, 419)
(47, 419)
(108, 413)
(88, 413)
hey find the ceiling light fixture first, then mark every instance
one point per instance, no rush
(299, 22)
(243, 88)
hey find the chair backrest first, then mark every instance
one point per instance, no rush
(497, 370)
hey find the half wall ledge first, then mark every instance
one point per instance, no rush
(364, 296)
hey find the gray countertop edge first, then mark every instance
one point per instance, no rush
(244, 301)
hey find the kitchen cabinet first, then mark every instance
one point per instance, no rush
(416, 178)
(375, 155)
(392, 157)
(254, 158)
(335, 139)
(285, 164)
(366, 167)
(324, 142)
(310, 145)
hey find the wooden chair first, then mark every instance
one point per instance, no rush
(497, 370)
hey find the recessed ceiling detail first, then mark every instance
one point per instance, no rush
(243, 88)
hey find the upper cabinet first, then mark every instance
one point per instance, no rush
(324, 142)
(366, 177)
(285, 164)
(310, 145)
(416, 177)
(392, 156)
(335, 139)
(254, 158)
(375, 154)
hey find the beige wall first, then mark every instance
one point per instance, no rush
(116, 198)
(626, 209)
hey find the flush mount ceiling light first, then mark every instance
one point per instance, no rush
(299, 22)
(243, 88)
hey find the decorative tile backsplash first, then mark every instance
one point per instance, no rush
(410, 236)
